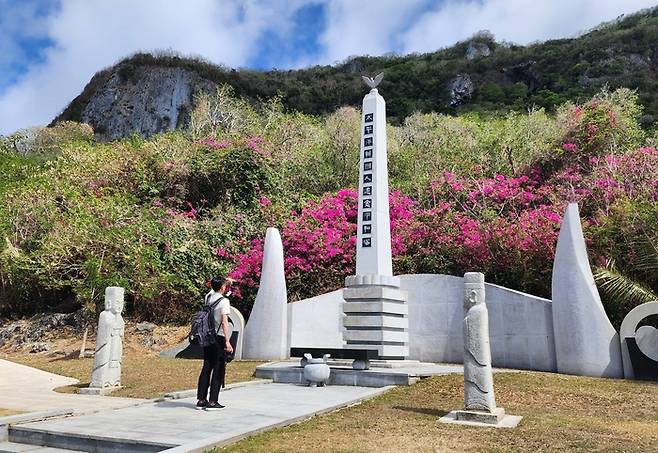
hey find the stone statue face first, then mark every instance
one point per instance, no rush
(117, 306)
(473, 296)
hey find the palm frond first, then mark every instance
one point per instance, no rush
(621, 289)
(647, 255)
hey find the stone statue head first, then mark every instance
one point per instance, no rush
(114, 299)
(473, 289)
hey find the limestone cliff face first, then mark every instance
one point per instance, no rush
(143, 99)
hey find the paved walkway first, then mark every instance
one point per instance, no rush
(249, 409)
(28, 389)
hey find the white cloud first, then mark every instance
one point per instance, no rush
(18, 22)
(88, 36)
(365, 27)
(519, 21)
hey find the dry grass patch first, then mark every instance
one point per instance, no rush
(144, 375)
(7, 412)
(565, 413)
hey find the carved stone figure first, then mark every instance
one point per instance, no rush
(478, 377)
(109, 341)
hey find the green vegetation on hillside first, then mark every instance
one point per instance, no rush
(160, 216)
(512, 77)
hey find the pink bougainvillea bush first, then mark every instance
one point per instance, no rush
(319, 246)
(504, 226)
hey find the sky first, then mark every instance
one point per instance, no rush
(50, 49)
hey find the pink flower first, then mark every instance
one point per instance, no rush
(211, 142)
(569, 147)
(222, 253)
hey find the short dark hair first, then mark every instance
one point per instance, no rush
(216, 283)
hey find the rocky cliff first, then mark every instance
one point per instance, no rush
(143, 99)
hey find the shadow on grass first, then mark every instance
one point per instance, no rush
(73, 355)
(422, 410)
(71, 388)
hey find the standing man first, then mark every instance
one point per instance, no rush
(214, 355)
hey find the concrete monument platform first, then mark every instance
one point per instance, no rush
(175, 425)
(404, 373)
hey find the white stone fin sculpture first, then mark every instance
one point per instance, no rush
(586, 344)
(106, 373)
(266, 332)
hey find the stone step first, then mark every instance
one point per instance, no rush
(80, 442)
(375, 307)
(386, 351)
(378, 321)
(365, 293)
(14, 447)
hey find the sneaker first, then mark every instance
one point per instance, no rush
(214, 407)
(201, 404)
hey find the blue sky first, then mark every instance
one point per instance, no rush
(49, 49)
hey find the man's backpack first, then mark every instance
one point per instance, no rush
(203, 329)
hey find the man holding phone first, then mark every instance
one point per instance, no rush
(214, 355)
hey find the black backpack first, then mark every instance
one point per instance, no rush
(203, 329)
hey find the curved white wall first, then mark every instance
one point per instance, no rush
(520, 325)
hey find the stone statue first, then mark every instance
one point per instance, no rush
(109, 341)
(479, 400)
(478, 377)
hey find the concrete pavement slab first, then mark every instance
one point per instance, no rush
(28, 389)
(177, 422)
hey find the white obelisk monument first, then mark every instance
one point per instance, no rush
(375, 308)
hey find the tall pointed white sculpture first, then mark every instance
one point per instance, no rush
(266, 332)
(586, 344)
(373, 252)
(375, 308)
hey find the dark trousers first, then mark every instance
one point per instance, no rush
(214, 363)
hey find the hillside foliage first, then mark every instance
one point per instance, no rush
(505, 77)
(160, 216)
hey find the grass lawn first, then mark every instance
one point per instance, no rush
(143, 375)
(560, 412)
